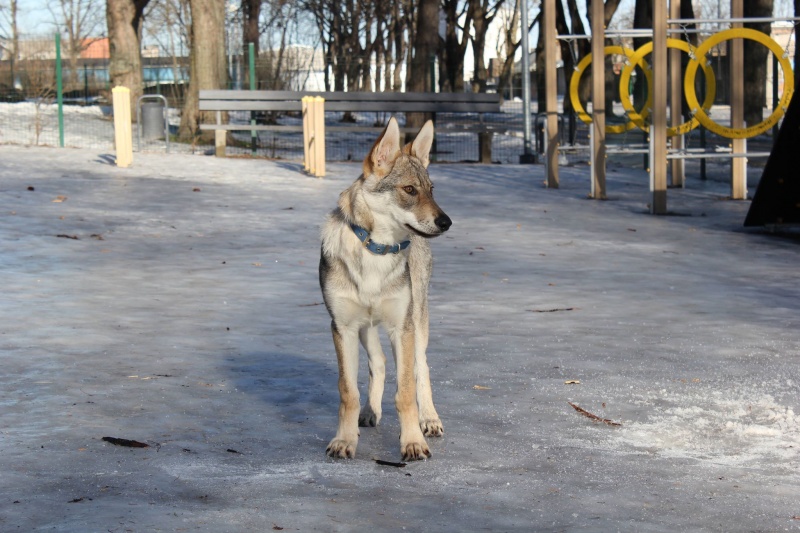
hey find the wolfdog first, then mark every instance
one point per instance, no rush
(374, 269)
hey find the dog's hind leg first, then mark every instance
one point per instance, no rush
(371, 412)
(345, 339)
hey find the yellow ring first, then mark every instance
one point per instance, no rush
(574, 83)
(700, 55)
(640, 118)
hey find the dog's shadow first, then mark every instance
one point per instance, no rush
(300, 402)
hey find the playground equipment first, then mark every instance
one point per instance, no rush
(664, 55)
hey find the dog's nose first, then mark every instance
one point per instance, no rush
(443, 222)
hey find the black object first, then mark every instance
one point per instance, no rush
(777, 197)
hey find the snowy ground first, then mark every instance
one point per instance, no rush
(176, 303)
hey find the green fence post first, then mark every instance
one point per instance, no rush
(251, 51)
(59, 92)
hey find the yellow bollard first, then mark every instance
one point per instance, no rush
(121, 97)
(314, 135)
(319, 136)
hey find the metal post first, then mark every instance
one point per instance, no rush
(551, 102)
(527, 155)
(658, 126)
(738, 166)
(59, 92)
(703, 134)
(677, 166)
(598, 159)
(85, 85)
(251, 51)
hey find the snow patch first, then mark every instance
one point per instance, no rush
(732, 427)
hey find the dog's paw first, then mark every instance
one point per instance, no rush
(368, 417)
(342, 449)
(432, 427)
(415, 451)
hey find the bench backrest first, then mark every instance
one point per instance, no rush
(231, 100)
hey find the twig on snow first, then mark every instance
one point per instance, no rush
(592, 416)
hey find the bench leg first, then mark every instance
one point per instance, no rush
(485, 146)
(219, 142)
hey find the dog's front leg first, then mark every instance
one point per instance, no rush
(429, 420)
(345, 339)
(412, 442)
(371, 413)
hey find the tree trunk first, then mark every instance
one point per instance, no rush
(512, 27)
(403, 23)
(480, 26)
(124, 19)
(755, 63)
(426, 42)
(642, 18)
(13, 9)
(455, 47)
(251, 10)
(207, 68)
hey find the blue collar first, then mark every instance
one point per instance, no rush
(374, 247)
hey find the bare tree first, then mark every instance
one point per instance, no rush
(511, 40)
(458, 19)
(274, 63)
(166, 23)
(9, 29)
(207, 62)
(424, 49)
(353, 33)
(251, 34)
(124, 19)
(81, 20)
(483, 13)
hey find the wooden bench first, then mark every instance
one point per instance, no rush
(383, 102)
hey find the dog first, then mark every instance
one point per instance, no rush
(375, 268)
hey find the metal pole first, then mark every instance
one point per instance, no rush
(85, 85)
(677, 167)
(251, 53)
(59, 92)
(527, 155)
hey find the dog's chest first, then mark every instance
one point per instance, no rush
(379, 277)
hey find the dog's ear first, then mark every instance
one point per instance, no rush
(420, 147)
(381, 158)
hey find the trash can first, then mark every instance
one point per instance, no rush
(152, 120)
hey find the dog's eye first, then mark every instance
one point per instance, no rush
(410, 190)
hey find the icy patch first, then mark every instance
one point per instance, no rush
(733, 428)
